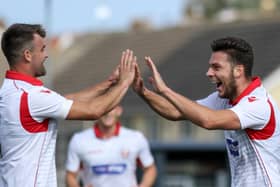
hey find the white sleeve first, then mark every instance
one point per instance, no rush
(44, 103)
(73, 160)
(253, 115)
(213, 101)
(145, 154)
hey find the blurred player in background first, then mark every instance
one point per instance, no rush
(107, 155)
(241, 106)
(29, 111)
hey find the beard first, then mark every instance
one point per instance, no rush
(40, 71)
(230, 89)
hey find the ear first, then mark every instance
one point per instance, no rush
(27, 55)
(238, 71)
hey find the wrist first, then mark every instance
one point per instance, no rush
(164, 91)
(124, 84)
(143, 93)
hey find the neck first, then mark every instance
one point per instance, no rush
(21, 69)
(242, 85)
(107, 132)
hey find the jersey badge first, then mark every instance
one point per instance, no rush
(45, 91)
(125, 153)
(252, 99)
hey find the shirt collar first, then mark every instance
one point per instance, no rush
(99, 134)
(23, 77)
(256, 82)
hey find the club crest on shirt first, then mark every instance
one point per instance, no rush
(45, 91)
(233, 147)
(252, 99)
(125, 153)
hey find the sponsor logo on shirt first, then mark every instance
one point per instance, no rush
(233, 147)
(109, 169)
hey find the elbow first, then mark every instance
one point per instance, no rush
(174, 116)
(207, 124)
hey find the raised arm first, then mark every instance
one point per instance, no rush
(96, 90)
(158, 103)
(94, 108)
(190, 110)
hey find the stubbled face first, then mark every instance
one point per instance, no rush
(111, 118)
(39, 55)
(221, 73)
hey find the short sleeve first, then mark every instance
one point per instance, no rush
(145, 154)
(44, 103)
(213, 101)
(73, 161)
(252, 113)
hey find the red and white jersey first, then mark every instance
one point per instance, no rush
(254, 150)
(108, 162)
(28, 131)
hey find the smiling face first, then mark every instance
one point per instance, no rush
(222, 73)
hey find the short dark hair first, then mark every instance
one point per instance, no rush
(240, 51)
(17, 38)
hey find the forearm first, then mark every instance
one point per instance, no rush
(106, 95)
(90, 92)
(190, 110)
(71, 181)
(149, 177)
(161, 105)
(94, 108)
(112, 97)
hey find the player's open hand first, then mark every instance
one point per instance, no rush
(138, 83)
(127, 67)
(156, 80)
